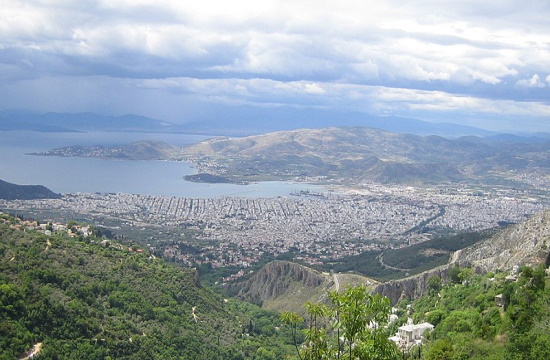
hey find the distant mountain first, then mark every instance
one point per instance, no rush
(247, 120)
(232, 121)
(365, 154)
(71, 122)
(533, 138)
(9, 191)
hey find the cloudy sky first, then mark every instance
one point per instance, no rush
(481, 63)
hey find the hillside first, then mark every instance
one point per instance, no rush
(287, 286)
(82, 297)
(367, 155)
(10, 191)
(139, 150)
(521, 244)
(485, 317)
(524, 244)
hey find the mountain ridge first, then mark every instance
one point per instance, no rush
(365, 154)
(11, 191)
(239, 121)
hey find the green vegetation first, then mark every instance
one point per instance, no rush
(351, 327)
(91, 298)
(207, 178)
(411, 260)
(79, 295)
(470, 323)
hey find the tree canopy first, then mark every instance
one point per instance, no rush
(351, 326)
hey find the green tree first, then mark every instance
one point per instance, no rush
(293, 320)
(434, 285)
(441, 349)
(351, 327)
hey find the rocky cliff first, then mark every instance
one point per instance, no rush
(287, 286)
(521, 244)
(276, 279)
(411, 287)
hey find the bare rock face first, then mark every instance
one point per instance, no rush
(274, 279)
(522, 244)
(411, 287)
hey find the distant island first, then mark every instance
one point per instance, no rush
(139, 150)
(10, 191)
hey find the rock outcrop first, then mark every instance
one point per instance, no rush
(521, 244)
(275, 279)
(411, 287)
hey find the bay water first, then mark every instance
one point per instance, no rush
(74, 174)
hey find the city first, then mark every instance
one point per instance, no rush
(237, 232)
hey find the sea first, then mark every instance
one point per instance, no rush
(90, 175)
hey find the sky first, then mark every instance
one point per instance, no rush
(478, 63)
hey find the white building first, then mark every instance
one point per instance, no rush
(410, 334)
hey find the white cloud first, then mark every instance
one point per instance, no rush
(533, 82)
(451, 56)
(351, 97)
(314, 89)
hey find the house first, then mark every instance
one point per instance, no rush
(499, 300)
(510, 278)
(410, 334)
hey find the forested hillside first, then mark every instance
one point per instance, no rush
(66, 293)
(494, 316)
(76, 297)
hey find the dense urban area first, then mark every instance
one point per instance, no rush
(239, 231)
